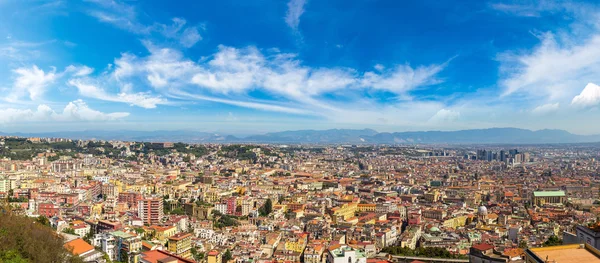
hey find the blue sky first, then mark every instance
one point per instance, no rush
(245, 67)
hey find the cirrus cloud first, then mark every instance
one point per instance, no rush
(140, 99)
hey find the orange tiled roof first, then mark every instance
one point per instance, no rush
(78, 246)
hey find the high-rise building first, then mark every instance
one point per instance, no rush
(481, 154)
(6, 185)
(526, 157)
(518, 158)
(150, 210)
(130, 198)
(502, 157)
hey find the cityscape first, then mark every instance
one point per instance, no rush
(299, 131)
(118, 201)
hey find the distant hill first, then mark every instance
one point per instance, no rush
(313, 136)
(338, 136)
(493, 135)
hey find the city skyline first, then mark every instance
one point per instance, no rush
(265, 66)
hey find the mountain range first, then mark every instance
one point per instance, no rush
(336, 136)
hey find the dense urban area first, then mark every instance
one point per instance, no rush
(117, 201)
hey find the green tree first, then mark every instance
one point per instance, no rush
(553, 241)
(11, 256)
(266, 208)
(432, 252)
(523, 244)
(198, 256)
(88, 237)
(23, 239)
(177, 211)
(227, 256)
(69, 230)
(43, 220)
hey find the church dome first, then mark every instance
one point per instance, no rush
(482, 210)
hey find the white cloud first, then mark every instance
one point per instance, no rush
(140, 99)
(79, 71)
(265, 106)
(231, 73)
(74, 111)
(578, 11)
(32, 82)
(189, 37)
(546, 108)
(78, 110)
(517, 9)
(553, 68)
(124, 66)
(402, 78)
(589, 97)
(124, 16)
(22, 51)
(295, 10)
(231, 70)
(122, 22)
(444, 116)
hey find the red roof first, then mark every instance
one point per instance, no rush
(154, 256)
(483, 247)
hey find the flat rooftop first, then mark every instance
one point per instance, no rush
(568, 254)
(548, 193)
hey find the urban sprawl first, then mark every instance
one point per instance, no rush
(116, 201)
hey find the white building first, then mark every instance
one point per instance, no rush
(346, 254)
(222, 208)
(107, 243)
(82, 230)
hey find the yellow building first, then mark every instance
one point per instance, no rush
(456, 222)
(432, 196)
(344, 212)
(96, 210)
(214, 256)
(163, 233)
(297, 244)
(181, 245)
(541, 198)
(280, 208)
(366, 207)
(212, 196)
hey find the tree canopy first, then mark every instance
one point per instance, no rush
(553, 241)
(24, 239)
(266, 208)
(432, 252)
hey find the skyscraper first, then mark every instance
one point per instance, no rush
(502, 156)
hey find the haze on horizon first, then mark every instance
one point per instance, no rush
(261, 66)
